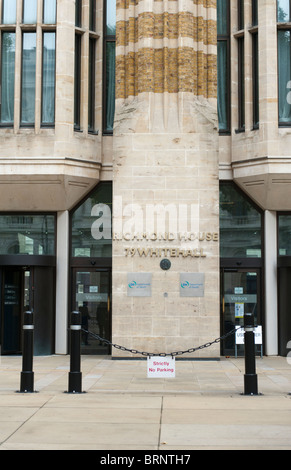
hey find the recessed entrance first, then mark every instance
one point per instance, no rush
(26, 288)
(15, 296)
(91, 296)
(284, 309)
(240, 295)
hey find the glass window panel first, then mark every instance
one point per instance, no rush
(78, 13)
(255, 80)
(110, 17)
(77, 82)
(110, 85)
(240, 225)
(48, 78)
(241, 84)
(255, 12)
(7, 77)
(284, 235)
(222, 85)
(92, 15)
(91, 224)
(28, 78)
(241, 15)
(91, 104)
(9, 12)
(27, 234)
(283, 10)
(49, 11)
(284, 75)
(29, 11)
(222, 17)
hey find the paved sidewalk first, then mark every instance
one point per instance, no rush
(121, 409)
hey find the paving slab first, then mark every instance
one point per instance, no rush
(85, 433)
(120, 409)
(98, 415)
(223, 436)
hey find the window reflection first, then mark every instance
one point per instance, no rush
(283, 10)
(110, 85)
(49, 11)
(284, 75)
(110, 17)
(28, 78)
(223, 59)
(222, 85)
(48, 78)
(92, 299)
(109, 78)
(7, 77)
(240, 225)
(9, 12)
(27, 234)
(285, 235)
(29, 11)
(84, 243)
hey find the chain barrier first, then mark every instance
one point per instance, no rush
(173, 354)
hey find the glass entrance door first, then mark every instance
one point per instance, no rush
(92, 297)
(15, 299)
(240, 295)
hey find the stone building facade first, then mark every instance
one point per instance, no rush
(145, 172)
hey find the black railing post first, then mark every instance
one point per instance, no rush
(27, 374)
(250, 378)
(75, 375)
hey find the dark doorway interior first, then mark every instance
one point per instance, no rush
(284, 310)
(27, 288)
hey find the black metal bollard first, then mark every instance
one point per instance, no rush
(27, 374)
(75, 375)
(250, 378)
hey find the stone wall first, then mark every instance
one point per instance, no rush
(165, 161)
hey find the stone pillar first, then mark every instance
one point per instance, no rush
(271, 283)
(165, 177)
(62, 283)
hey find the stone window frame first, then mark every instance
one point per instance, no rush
(281, 27)
(19, 28)
(86, 39)
(247, 22)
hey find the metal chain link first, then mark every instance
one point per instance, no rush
(173, 354)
